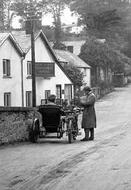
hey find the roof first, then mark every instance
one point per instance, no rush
(66, 56)
(24, 40)
(6, 35)
(3, 36)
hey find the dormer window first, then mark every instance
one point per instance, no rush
(70, 48)
(6, 67)
(29, 68)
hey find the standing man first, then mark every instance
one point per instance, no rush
(89, 115)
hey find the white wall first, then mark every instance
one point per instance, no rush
(12, 84)
(42, 84)
(87, 76)
(76, 45)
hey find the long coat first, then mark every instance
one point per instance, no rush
(89, 115)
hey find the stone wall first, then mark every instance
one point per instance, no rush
(14, 124)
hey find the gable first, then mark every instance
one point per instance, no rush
(8, 50)
(52, 53)
(42, 52)
(4, 37)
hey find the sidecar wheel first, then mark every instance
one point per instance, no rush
(34, 132)
(70, 135)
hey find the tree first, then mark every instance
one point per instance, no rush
(6, 15)
(2, 14)
(103, 18)
(127, 47)
(55, 7)
(101, 55)
(76, 75)
(27, 10)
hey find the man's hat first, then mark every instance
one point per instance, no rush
(87, 88)
(52, 97)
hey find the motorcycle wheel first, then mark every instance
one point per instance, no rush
(70, 135)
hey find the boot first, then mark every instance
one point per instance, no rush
(92, 134)
(86, 138)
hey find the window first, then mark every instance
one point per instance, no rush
(47, 94)
(7, 99)
(70, 48)
(58, 91)
(28, 98)
(68, 92)
(29, 68)
(6, 67)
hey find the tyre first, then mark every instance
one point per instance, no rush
(31, 135)
(34, 132)
(70, 135)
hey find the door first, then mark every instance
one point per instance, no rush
(68, 92)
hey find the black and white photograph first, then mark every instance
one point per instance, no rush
(65, 95)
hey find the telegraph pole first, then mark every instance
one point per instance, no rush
(33, 15)
(33, 65)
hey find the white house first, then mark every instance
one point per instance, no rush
(74, 46)
(68, 57)
(10, 71)
(50, 75)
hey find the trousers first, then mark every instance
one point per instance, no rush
(89, 133)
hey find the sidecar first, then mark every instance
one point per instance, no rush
(55, 122)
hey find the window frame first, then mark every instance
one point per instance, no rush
(47, 93)
(29, 68)
(7, 99)
(28, 98)
(58, 91)
(6, 67)
(70, 48)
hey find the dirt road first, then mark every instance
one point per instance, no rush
(104, 164)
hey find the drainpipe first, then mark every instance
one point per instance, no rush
(22, 85)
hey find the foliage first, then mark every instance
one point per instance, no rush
(24, 8)
(104, 18)
(2, 15)
(55, 7)
(104, 85)
(95, 53)
(76, 75)
(127, 47)
(101, 55)
(27, 10)
(6, 15)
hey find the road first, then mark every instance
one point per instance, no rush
(53, 164)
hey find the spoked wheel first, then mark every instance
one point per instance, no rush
(70, 135)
